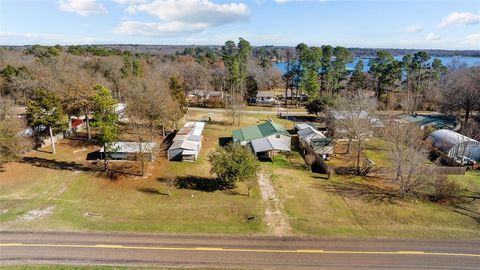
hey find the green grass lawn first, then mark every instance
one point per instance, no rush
(355, 207)
(62, 194)
(129, 203)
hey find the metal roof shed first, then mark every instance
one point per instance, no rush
(455, 144)
(266, 144)
(125, 150)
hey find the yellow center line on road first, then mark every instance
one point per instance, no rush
(219, 249)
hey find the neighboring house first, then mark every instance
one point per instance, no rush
(317, 126)
(187, 142)
(203, 95)
(434, 121)
(265, 139)
(338, 129)
(314, 141)
(77, 125)
(266, 97)
(455, 145)
(298, 98)
(129, 150)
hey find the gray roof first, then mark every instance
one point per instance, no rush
(265, 94)
(454, 143)
(185, 144)
(131, 147)
(309, 133)
(189, 137)
(267, 144)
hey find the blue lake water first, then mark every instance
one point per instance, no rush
(447, 60)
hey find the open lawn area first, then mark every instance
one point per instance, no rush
(356, 207)
(63, 191)
(66, 192)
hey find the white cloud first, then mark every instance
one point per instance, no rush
(287, 1)
(432, 37)
(465, 18)
(7, 35)
(182, 16)
(123, 2)
(413, 28)
(12, 38)
(82, 7)
(473, 39)
(137, 28)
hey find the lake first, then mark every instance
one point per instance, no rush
(446, 60)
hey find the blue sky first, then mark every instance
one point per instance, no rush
(383, 24)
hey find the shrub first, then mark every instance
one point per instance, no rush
(233, 164)
(445, 190)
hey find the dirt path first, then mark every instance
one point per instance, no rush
(276, 220)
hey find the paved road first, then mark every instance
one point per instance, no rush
(240, 252)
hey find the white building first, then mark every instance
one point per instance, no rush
(187, 142)
(455, 144)
(128, 150)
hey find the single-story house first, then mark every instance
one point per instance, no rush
(187, 142)
(338, 119)
(129, 150)
(300, 97)
(455, 144)
(202, 95)
(434, 121)
(314, 141)
(266, 97)
(264, 139)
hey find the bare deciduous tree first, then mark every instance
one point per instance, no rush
(461, 93)
(354, 117)
(408, 155)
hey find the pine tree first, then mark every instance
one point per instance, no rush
(178, 94)
(45, 109)
(106, 119)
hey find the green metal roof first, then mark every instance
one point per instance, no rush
(259, 131)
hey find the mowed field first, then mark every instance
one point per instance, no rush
(62, 192)
(351, 206)
(52, 192)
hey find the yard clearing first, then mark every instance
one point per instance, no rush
(357, 207)
(80, 198)
(69, 184)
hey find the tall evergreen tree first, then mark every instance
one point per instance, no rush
(340, 71)
(326, 71)
(178, 94)
(45, 108)
(386, 70)
(106, 119)
(357, 80)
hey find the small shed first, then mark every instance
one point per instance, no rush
(129, 150)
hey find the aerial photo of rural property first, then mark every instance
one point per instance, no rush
(239, 134)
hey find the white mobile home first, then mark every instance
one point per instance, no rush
(128, 150)
(187, 142)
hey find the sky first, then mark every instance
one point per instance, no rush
(412, 24)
